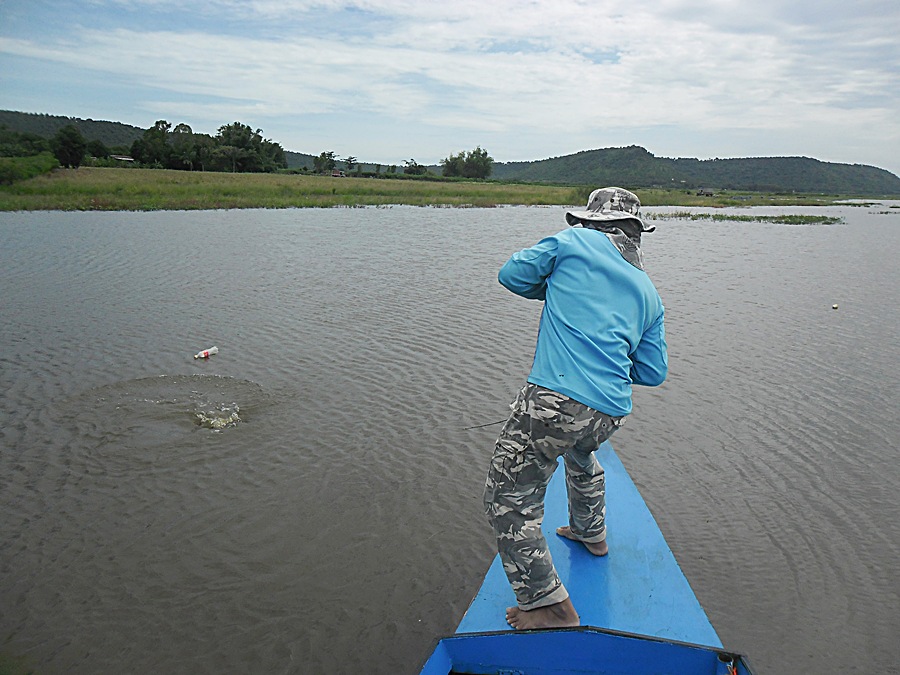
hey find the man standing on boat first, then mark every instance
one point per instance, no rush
(601, 331)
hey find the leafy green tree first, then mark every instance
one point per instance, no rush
(69, 146)
(452, 166)
(412, 167)
(256, 153)
(204, 149)
(226, 156)
(137, 150)
(474, 164)
(478, 164)
(237, 134)
(184, 147)
(273, 156)
(324, 163)
(350, 162)
(21, 144)
(153, 148)
(98, 149)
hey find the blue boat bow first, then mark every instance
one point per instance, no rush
(638, 612)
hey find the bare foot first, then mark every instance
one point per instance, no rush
(560, 615)
(599, 548)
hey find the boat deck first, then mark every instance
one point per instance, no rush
(637, 588)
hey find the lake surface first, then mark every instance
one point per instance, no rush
(309, 499)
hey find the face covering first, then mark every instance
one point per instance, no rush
(628, 244)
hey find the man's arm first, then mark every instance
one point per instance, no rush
(650, 360)
(526, 272)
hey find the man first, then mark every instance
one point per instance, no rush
(601, 331)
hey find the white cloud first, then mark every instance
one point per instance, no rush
(543, 70)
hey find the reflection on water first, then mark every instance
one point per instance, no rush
(309, 499)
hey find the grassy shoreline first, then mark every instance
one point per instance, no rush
(112, 189)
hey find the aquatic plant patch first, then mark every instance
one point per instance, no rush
(784, 219)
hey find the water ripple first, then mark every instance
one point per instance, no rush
(309, 499)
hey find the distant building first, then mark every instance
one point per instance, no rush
(122, 158)
(337, 174)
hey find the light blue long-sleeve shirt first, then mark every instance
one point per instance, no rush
(602, 326)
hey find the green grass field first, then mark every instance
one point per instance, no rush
(113, 189)
(89, 188)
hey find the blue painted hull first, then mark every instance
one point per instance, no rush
(577, 650)
(637, 610)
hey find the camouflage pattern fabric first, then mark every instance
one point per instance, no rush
(616, 213)
(543, 426)
(614, 199)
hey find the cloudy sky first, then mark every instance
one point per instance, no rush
(390, 80)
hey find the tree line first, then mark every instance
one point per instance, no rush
(235, 148)
(474, 164)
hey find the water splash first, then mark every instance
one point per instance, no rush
(218, 419)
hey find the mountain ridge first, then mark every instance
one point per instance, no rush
(632, 166)
(637, 167)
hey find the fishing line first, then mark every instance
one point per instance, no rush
(481, 426)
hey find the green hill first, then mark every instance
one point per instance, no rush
(631, 166)
(112, 134)
(636, 167)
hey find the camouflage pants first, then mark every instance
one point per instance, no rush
(542, 426)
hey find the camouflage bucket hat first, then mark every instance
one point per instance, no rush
(609, 204)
